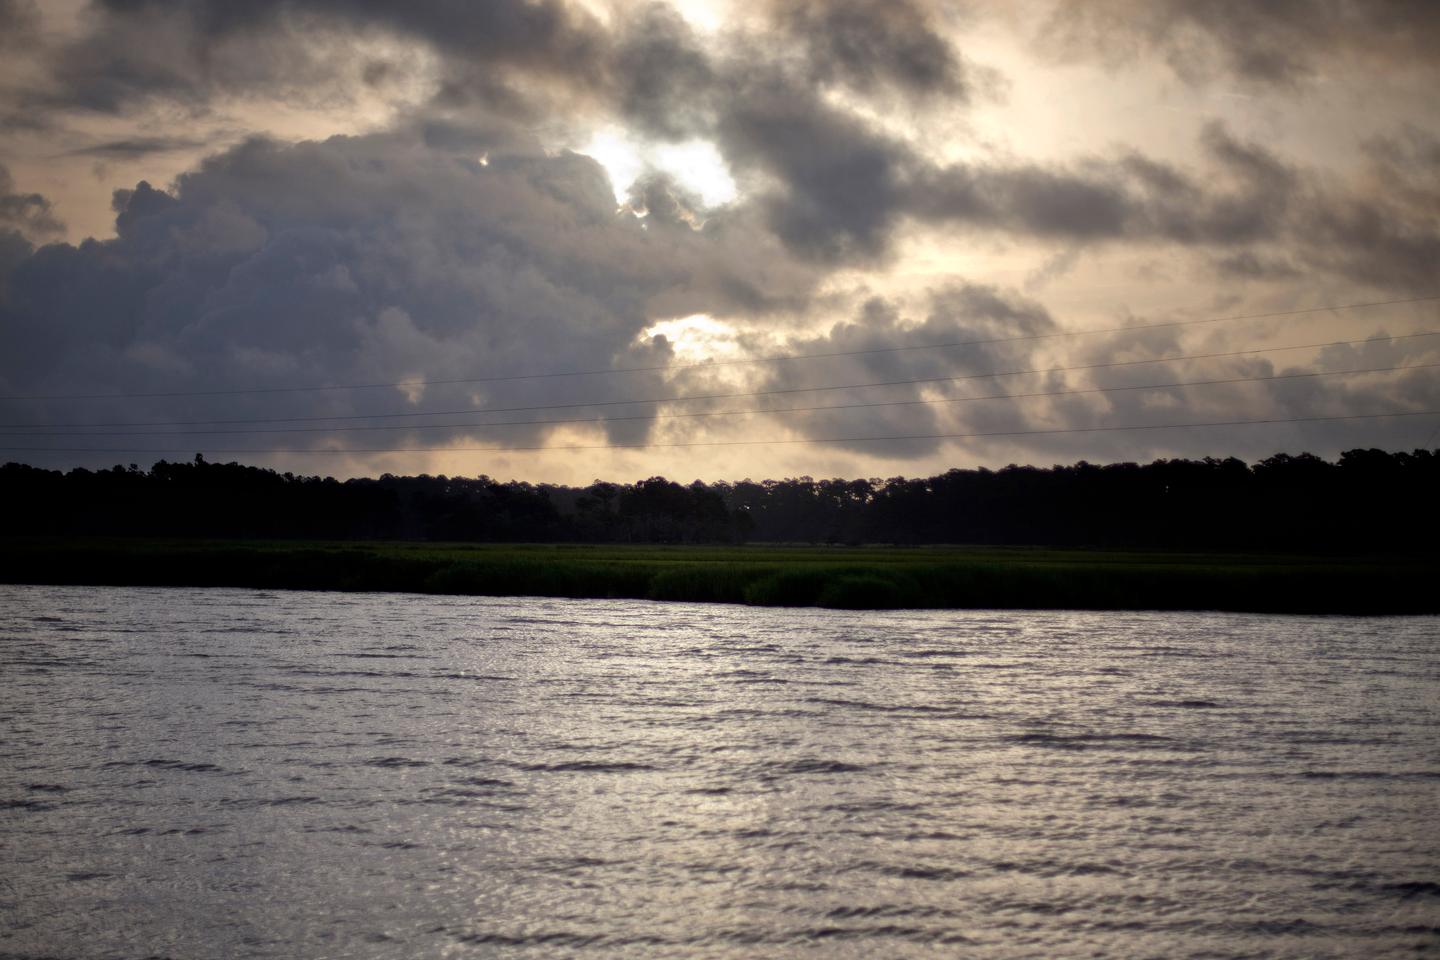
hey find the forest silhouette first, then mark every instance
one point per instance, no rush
(1366, 501)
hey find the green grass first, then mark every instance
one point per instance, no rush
(843, 577)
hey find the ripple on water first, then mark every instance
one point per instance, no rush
(227, 773)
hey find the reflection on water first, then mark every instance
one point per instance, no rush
(221, 773)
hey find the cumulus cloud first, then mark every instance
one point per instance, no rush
(365, 260)
(940, 345)
(1061, 397)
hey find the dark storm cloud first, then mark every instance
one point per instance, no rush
(362, 260)
(1280, 42)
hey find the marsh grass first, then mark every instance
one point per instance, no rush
(842, 577)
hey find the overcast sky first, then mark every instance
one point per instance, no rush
(206, 204)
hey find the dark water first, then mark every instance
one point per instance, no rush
(223, 773)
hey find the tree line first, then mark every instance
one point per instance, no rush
(1367, 500)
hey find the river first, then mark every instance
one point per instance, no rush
(227, 773)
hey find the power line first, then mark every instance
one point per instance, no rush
(716, 363)
(711, 396)
(737, 443)
(731, 413)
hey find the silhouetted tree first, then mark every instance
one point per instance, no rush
(1368, 500)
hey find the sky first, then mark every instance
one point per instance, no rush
(840, 238)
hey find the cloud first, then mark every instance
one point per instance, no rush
(832, 187)
(1384, 231)
(1249, 265)
(1283, 43)
(955, 313)
(1381, 230)
(27, 215)
(778, 96)
(646, 61)
(461, 240)
(195, 53)
(660, 78)
(1242, 198)
(1118, 355)
(869, 46)
(1073, 390)
(135, 148)
(828, 179)
(136, 54)
(19, 23)
(369, 260)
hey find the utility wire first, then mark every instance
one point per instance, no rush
(718, 363)
(738, 443)
(730, 413)
(709, 396)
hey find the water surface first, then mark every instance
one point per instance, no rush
(225, 773)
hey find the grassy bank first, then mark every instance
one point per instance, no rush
(845, 577)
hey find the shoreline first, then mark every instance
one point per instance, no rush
(859, 578)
